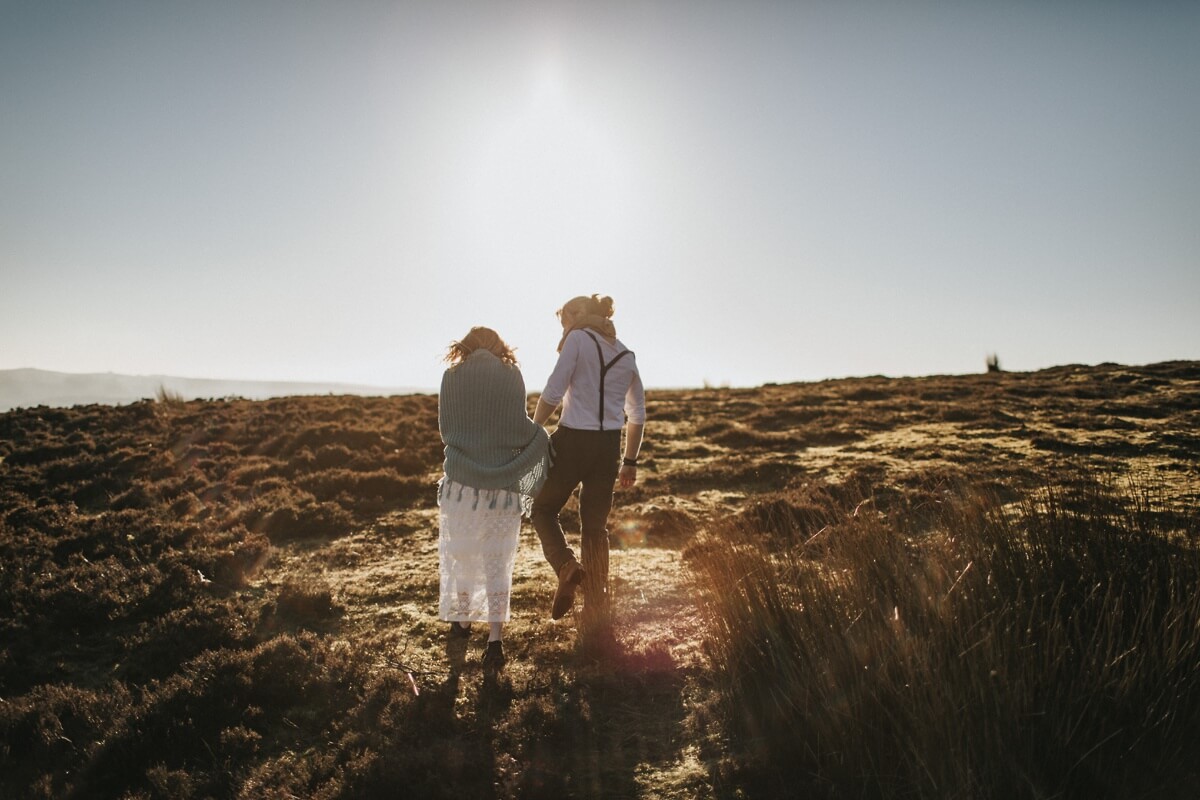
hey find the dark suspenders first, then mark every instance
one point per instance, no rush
(604, 368)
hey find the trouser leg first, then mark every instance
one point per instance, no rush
(564, 477)
(595, 503)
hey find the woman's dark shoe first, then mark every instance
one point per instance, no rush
(570, 576)
(458, 631)
(493, 657)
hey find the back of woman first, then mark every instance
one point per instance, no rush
(496, 461)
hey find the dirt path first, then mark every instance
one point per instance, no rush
(634, 710)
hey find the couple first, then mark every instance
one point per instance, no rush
(498, 464)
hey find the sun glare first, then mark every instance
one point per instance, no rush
(548, 83)
(549, 178)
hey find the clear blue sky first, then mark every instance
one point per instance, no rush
(770, 191)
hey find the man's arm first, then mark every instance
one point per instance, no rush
(633, 445)
(543, 412)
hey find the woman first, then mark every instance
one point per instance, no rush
(596, 382)
(496, 460)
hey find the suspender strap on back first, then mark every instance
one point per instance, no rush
(604, 368)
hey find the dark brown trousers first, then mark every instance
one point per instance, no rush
(589, 460)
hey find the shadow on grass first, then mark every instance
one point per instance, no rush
(591, 725)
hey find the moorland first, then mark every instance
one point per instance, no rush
(25, 388)
(953, 586)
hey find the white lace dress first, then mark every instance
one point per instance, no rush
(477, 545)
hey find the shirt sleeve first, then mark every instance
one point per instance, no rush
(442, 406)
(564, 368)
(635, 401)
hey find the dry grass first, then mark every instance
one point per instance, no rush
(1043, 650)
(238, 599)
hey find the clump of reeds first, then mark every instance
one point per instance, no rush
(168, 397)
(1046, 649)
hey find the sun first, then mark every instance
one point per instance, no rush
(550, 176)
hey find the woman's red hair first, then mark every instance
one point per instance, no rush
(480, 338)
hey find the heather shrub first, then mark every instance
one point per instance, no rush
(37, 455)
(186, 505)
(285, 513)
(647, 527)
(748, 473)
(318, 437)
(666, 527)
(254, 470)
(377, 490)
(305, 604)
(233, 721)
(407, 462)
(743, 439)
(302, 461)
(73, 470)
(232, 557)
(52, 724)
(331, 456)
(307, 520)
(161, 642)
(197, 720)
(139, 495)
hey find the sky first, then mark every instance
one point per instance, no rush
(770, 191)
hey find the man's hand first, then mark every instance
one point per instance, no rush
(627, 476)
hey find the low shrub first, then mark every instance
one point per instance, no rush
(305, 521)
(52, 724)
(376, 490)
(305, 604)
(196, 721)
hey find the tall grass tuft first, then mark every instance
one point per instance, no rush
(168, 397)
(1050, 648)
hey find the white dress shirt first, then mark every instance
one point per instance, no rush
(575, 382)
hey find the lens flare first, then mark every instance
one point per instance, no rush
(629, 533)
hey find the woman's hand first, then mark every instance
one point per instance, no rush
(542, 413)
(627, 476)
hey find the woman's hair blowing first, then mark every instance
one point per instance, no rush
(480, 338)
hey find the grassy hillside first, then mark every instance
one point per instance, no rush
(970, 586)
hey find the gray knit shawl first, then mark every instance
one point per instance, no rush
(491, 443)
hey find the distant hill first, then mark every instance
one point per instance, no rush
(25, 388)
